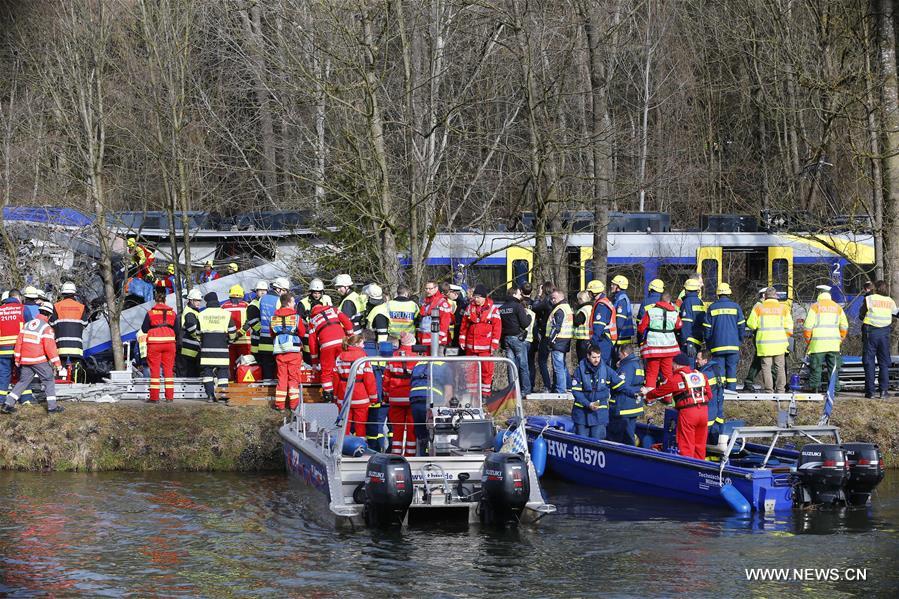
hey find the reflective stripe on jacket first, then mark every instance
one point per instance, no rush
(773, 324)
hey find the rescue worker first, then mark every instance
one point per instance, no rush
(233, 269)
(207, 275)
(515, 322)
(397, 384)
(559, 331)
(877, 315)
(755, 367)
(316, 297)
(626, 403)
(141, 259)
(724, 328)
(377, 319)
(377, 432)
(326, 331)
(604, 331)
(713, 373)
(172, 284)
(590, 386)
(402, 313)
(268, 304)
(658, 329)
(216, 326)
(431, 383)
(242, 343)
(690, 393)
(624, 312)
(351, 303)
(653, 294)
(542, 307)
(12, 319)
(287, 347)
(825, 328)
(434, 305)
(68, 321)
(582, 324)
(459, 303)
(695, 280)
(159, 327)
(32, 302)
(365, 390)
(251, 324)
(692, 316)
(36, 356)
(773, 325)
(480, 334)
(189, 336)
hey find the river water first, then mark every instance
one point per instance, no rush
(217, 535)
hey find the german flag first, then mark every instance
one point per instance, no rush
(500, 399)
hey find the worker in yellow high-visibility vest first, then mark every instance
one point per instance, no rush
(826, 326)
(877, 315)
(773, 326)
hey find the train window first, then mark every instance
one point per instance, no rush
(492, 277)
(855, 276)
(634, 274)
(674, 276)
(709, 278)
(520, 272)
(806, 277)
(780, 274)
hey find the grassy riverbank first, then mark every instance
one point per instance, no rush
(864, 420)
(132, 436)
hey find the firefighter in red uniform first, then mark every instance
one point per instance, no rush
(287, 332)
(365, 390)
(397, 382)
(480, 333)
(242, 344)
(159, 326)
(327, 329)
(36, 355)
(434, 305)
(689, 390)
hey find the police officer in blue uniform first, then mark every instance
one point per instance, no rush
(714, 373)
(431, 381)
(626, 404)
(590, 386)
(725, 327)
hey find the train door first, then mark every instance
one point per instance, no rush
(708, 264)
(780, 271)
(587, 270)
(519, 264)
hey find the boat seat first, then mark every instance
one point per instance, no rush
(474, 435)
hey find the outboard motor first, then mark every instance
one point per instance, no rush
(865, 471)
(822, 471)
(505, 487)
(388, 490)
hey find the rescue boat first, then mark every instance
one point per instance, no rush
(753, 471)
(462, 479)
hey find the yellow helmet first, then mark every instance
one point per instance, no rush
(724, 289)
(691, 285)
(657, 285)
(132, 242)
(171, 269)
(621, 281)
(596, 286)
(208, 263)
(233, 266)
(236, 291)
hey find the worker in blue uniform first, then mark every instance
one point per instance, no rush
(692, 317)
(624, 313)
(590, 387)
(725, 327)
(714, 373)
(653, 295)
(604, 330)
(431, 382)
(626, 403)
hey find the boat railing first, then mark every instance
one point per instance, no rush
(742, 434)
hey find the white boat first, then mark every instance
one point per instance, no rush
(460, 479)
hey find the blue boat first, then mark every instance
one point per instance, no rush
(747, 476)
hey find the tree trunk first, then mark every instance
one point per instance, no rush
(253, 27)
(890, 105)
(873, 113)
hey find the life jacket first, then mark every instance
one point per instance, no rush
(694, 392)
(268, 304)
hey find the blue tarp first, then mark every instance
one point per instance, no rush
(39, 214)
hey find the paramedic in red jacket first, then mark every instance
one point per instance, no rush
(689, 390)
(434, 305)
(37, 356)
(397, 382)
(159, 325)
(327, 330)
(365, 390)
(480, 333)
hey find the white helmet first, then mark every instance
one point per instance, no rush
(281, 283)
(69, 288)
(194, 294)
(343, 281)
(31, 293)
(374, 291)
(316, 285)
(260, 284)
